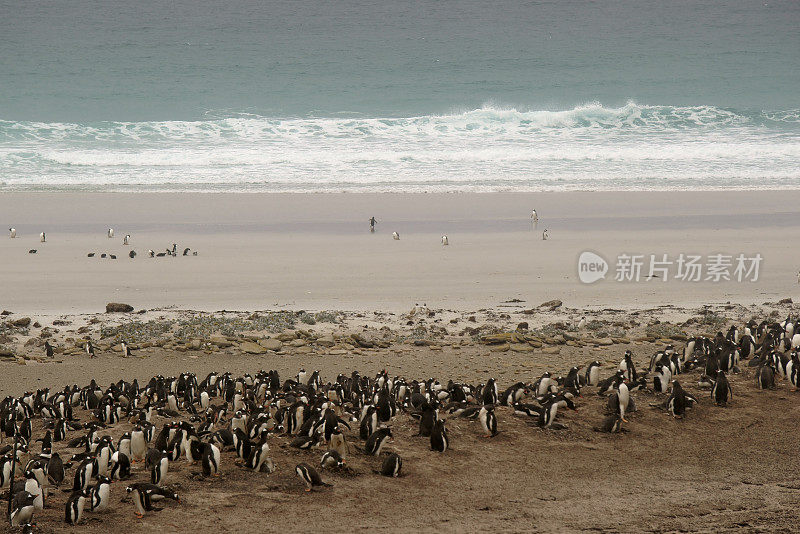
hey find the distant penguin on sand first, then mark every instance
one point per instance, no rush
(186, 251)
(534, 216)
(12, 233)
(42, 237)
(444, 240)
(132, 254)
(545, 234)
(126, 240)
(110, 233)
(151, 253)
(395, 236)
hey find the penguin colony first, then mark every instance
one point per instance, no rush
(172, 251)
(182, 419)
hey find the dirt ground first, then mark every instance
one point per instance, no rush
(719, 469)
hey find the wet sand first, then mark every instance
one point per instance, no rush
(259, 251)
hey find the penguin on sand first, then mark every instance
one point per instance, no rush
(721, 389)
(310, 476)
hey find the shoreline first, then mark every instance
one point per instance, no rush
(300, 251)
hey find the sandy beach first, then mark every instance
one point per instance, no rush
(312, 288)
(265, 251)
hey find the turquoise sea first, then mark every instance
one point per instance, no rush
(399, 96)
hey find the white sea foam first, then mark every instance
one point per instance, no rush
(588, 147)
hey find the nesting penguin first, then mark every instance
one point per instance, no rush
(392, 465)
(309, 476)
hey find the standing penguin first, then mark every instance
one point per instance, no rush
(439, 439)
(110, 233)
(392, 465)
(488, 420)
(73, 511)
(42, 237)
(626, 365)
(765, 377)
(592, 375)
(309, 476)
(138, 444)
(158, 463)
(210, 459)
(445, 242)
(126, 240)
(721, 389)
(100, 495)
(395, 236)
(55, 469)
(12, 233)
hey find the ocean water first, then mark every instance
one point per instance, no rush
(399, 96)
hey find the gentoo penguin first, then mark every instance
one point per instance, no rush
(174, 249)
(48, 349)
(721, 389)
(32, 251)
(100, 495)
(143, 495)
(73, 511)
(395, 236)
(534, 216)
(444, 240)
(126, 240)
(186, 251)
(210, 459)
(605, 386)
(679, 400)
(490, 392)
(83, 474)
(42, 237)
(582, 323)
(545, 234)
(22, 508)
(618, 402)
(120, 466)
(626, 365)
(132, 254)
(331, 459)
(488, 420)
(392, 465)
(377, 440)
(151, 253)
(338, 443)
(439, 439)
(110, 233)
(158, 463)
(12, 233)
(793, 370)
(309, 476)
(611, 424)
(592, 375)
(55, 469)
(765, 377)
(138, 444)
(89, 348)
(112, 256)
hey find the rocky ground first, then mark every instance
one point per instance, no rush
(719, 469)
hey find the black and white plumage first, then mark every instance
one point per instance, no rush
(392, 465)
(73, 510)
(440, 441)
(721, 390)
(488, 420)
(309, 476)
